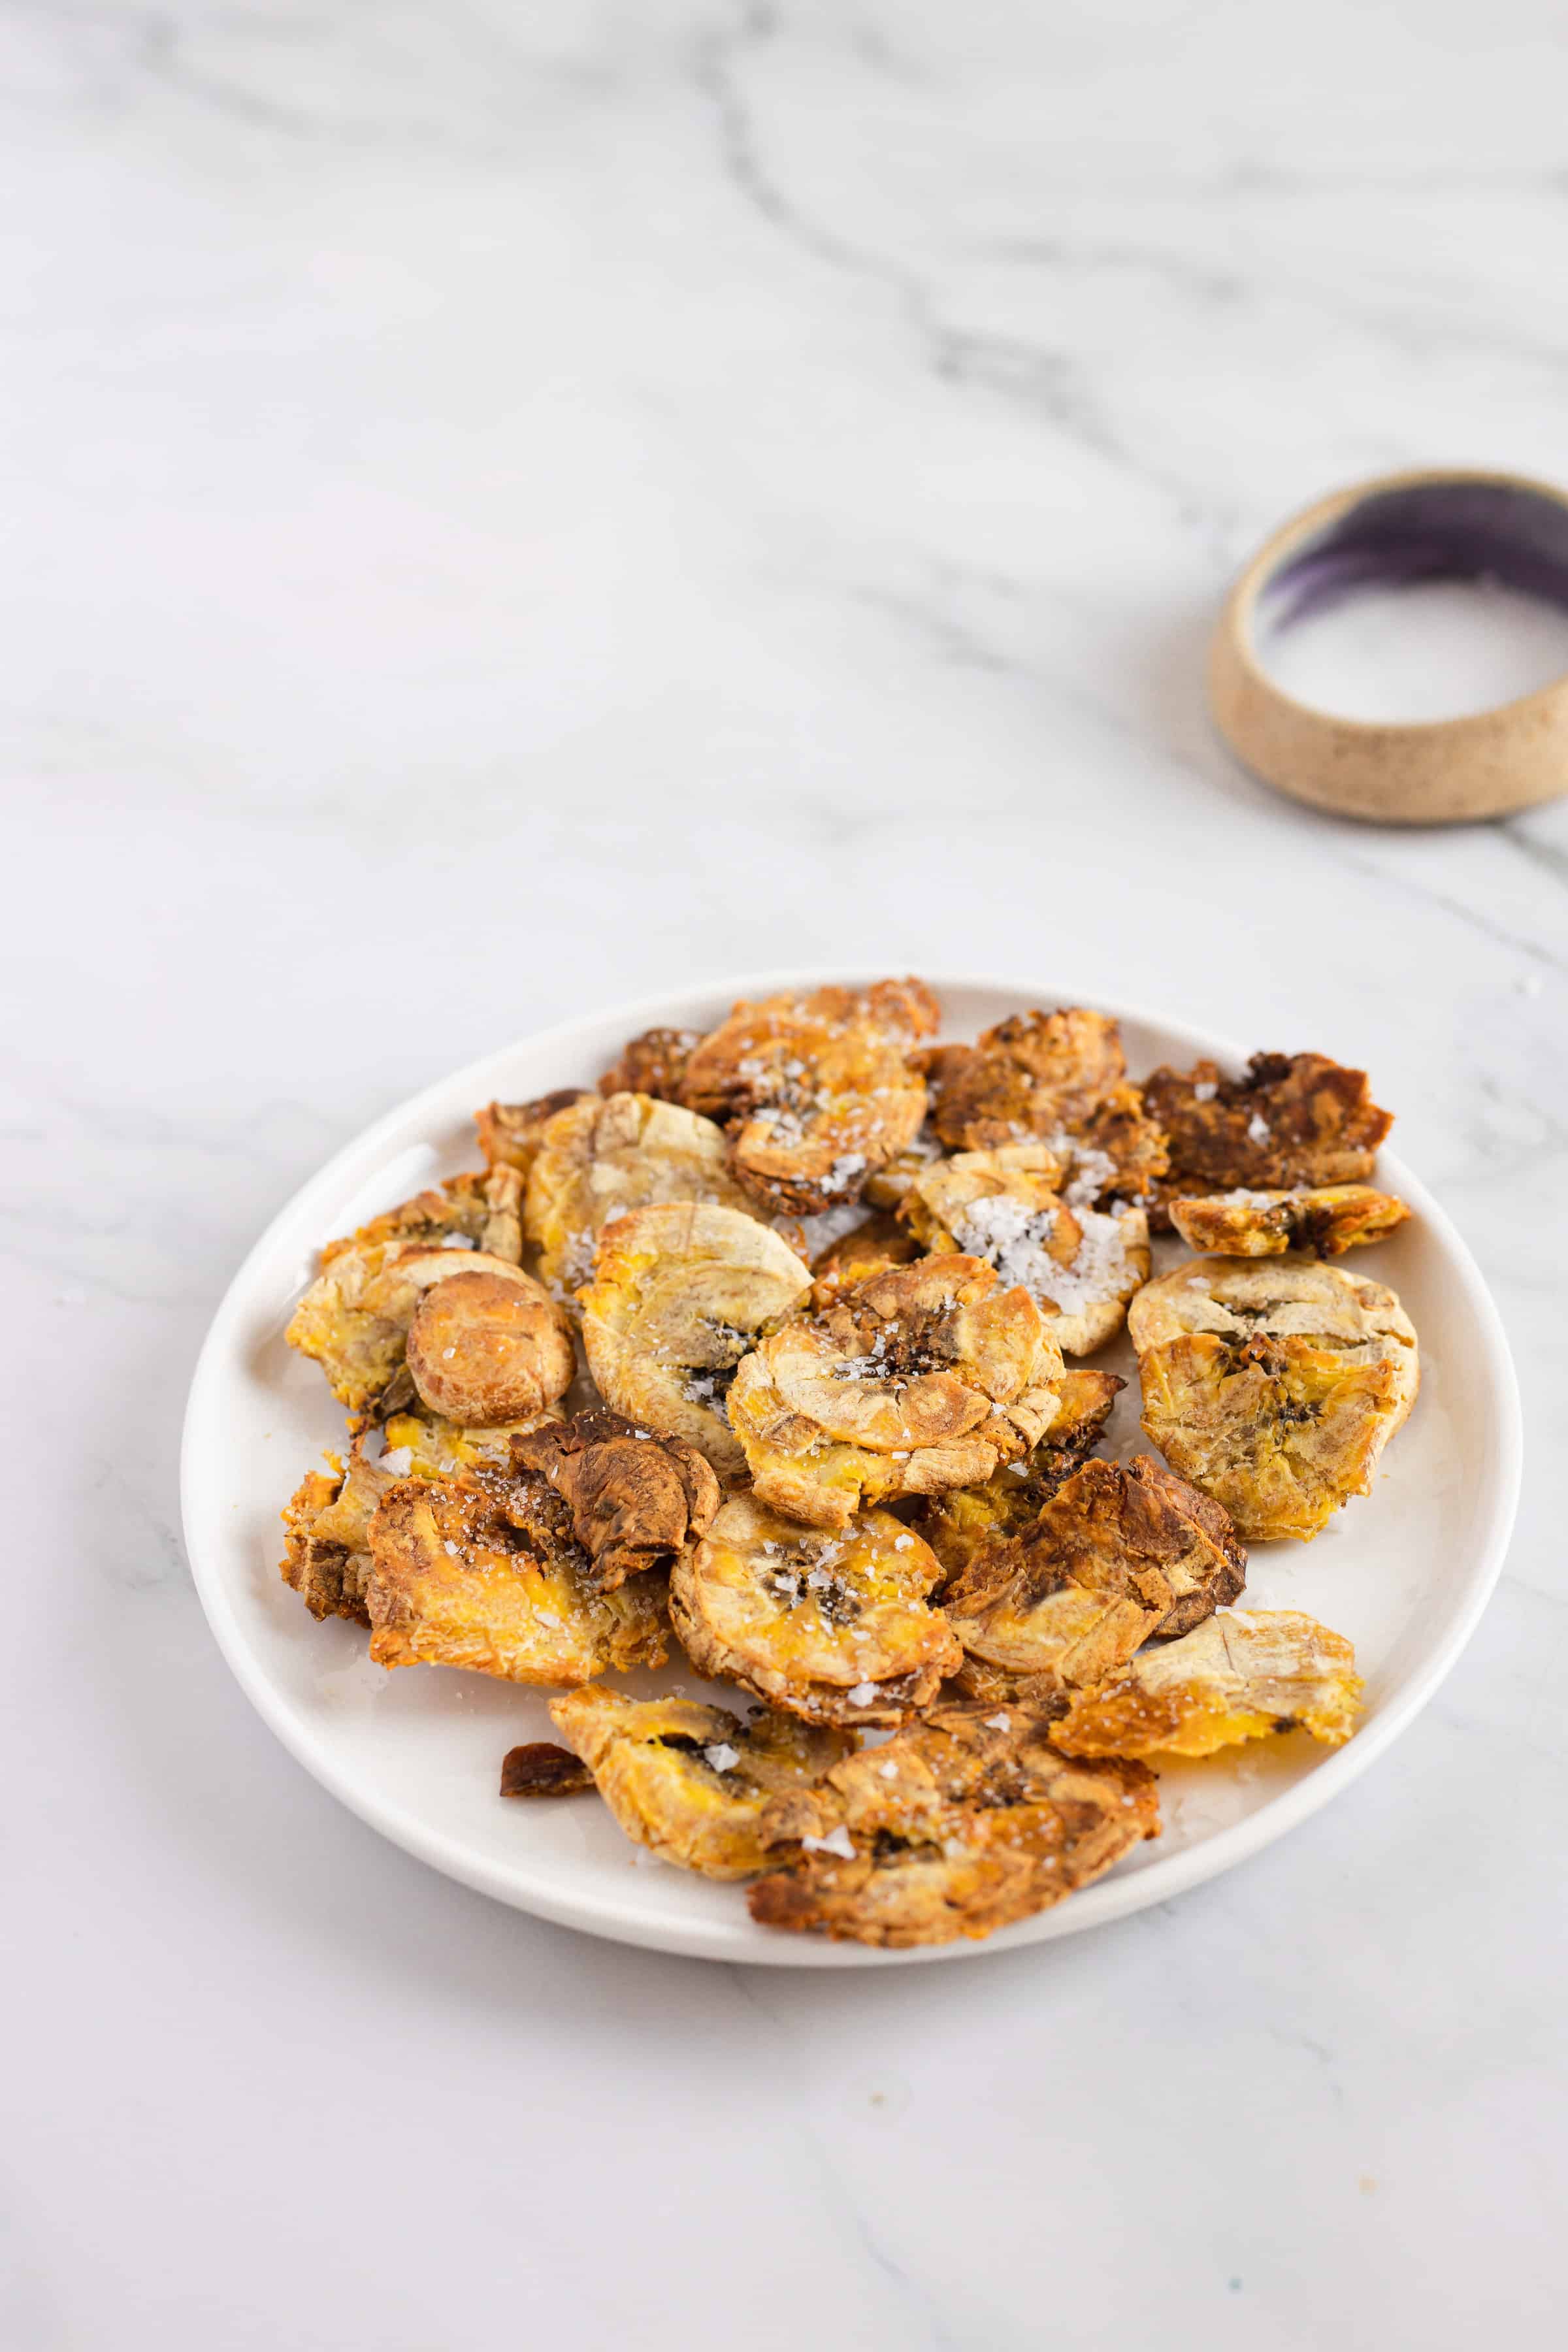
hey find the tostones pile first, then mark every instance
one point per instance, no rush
(766, 1346)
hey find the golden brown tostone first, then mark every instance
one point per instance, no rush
(832, 1627)
(637, 1497)
(923, 1378)
(1114, 1557)
(1273, 1383)
(691, 1782)
(958, 1825)
(483, 1571)
(1322, 1220)
(816, 1090)
(1292, 1118)
(1244, 1674)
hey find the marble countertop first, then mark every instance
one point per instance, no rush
(507, 508)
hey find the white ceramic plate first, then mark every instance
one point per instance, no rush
(416, 1753)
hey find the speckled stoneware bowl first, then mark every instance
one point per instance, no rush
(1393, 532)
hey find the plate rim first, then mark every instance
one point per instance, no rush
(1111, 1898)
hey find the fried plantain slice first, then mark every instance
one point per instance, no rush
(1057, 1078)
(539, 1769)
(607, 1155)
(353, 1318)
(690, 1782)
(637, 1497)
(481, 1210)
(1321, 1220)
(1244, 1674)
(326, 1556)
(923, 1378)
(327, 1559)
(956, 1826)
(482, 1571)
(483, 1349)
(885, 1187)
(967, 1520)
(1115, 1556)
(511, 1133)
(1274, 1384)
(681, 1292)
(1078, 1266)
(874, 1246)
(420, 1444)
(833, 1628)
(653, 1064)
(1292, 1119)
(817, 1088)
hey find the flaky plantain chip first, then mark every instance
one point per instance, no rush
(1057, 1078)
(690, 1782)
(833, 1628)
(1115, 1555)
(817, 1088)
(653, 1064)
(483, 1571)
(510, 1134)
(330, 1570)
(1274, 1384)
(1079, 1267)
(923, 1378)
(968, 1521)
(353, 1318)
(874, 1246)
(607, 1155)
(476, 1211)
(327, 1560)
(885, 1187)
(1242, 1674)
(484, 1350)
(1293, 1118)
(958, 1825)
(1322, 1220)
(637, 1496)
(680, 1293)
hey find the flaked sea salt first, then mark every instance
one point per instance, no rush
(458, 1241)
(1258, 1129)
(1205, 1090)
(1000, 1722)
(722, 1756)
(838, 1842)
(863, 1693)
(1011, 1235)
(829, 1225)
(399, 1462)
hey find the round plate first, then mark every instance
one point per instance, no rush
(1404, 1572)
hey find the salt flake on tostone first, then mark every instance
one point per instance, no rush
(838, 1842)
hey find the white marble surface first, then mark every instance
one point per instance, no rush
(504, 505)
